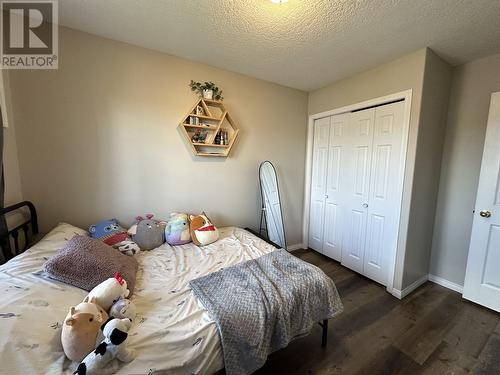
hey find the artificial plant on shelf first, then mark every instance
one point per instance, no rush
(207, 90)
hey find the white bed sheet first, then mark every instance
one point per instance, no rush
(172, 333)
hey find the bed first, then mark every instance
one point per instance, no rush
(172, 333)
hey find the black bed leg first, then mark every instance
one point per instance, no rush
(324, 337)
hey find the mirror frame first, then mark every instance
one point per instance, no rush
(263, 206)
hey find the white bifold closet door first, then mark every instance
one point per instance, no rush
(318, 184)
(355, 205)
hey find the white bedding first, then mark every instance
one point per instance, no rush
(172, 333)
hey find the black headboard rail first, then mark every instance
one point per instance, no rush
(7, 234)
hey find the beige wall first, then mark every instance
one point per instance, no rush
(431, 133)
(98, 138)
(472, 86)
(418, 207)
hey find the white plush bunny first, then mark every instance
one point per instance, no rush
(109, 291)
(113, 346)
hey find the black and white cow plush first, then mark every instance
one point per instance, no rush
(113, 346)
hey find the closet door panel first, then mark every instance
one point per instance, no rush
(354, 235)
(318, 184)
(332, 232)
(384, 205)
(356, 175)
(335, 202)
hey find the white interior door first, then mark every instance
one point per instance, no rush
(384, 201)
(335, 187)
(318, 184)
(356, 174)
(482, 278)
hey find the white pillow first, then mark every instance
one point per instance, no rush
(57, 238)
(43, 250)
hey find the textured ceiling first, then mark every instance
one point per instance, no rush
(305, 44)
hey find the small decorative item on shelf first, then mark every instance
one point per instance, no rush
(196, 136)
(208, 94)
(223, 137)
(207, 90)
(203, 136)
(199, 136)
(199, 110)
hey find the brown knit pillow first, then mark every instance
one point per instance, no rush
(85, 262)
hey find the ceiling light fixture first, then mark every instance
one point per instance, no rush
(279, 1)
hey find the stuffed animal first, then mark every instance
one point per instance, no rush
(203, 232)
(123, 308)
(112, 234)
(109, 291)
(81, 329)
(114, 346)
(148, 233)
(177, 229)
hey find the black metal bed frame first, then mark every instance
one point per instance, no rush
(7, 234)
(324, 323)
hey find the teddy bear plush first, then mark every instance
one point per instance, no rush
(147, 232)
(177, 229)
(113, 346)
(203, 232)
(123, 308)
(81, 329)
(109, 291)
(112, 234)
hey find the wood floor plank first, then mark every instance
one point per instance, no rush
(447, 360)
(471, 330)
(424, 337)
(497, 329)
(489, 360)
(390, 361)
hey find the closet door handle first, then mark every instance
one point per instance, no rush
(365, 205)
(326, 196)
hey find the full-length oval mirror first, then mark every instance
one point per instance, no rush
(271, 205)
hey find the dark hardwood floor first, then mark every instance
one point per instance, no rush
(431, 331)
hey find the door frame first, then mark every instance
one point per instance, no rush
(407, 96)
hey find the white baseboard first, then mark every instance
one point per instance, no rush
(446, 283)
(433, 278)
(410, 288)
(297, 246)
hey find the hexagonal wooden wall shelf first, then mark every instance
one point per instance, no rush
(209, 129)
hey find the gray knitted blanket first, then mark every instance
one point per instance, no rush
(261, 305)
